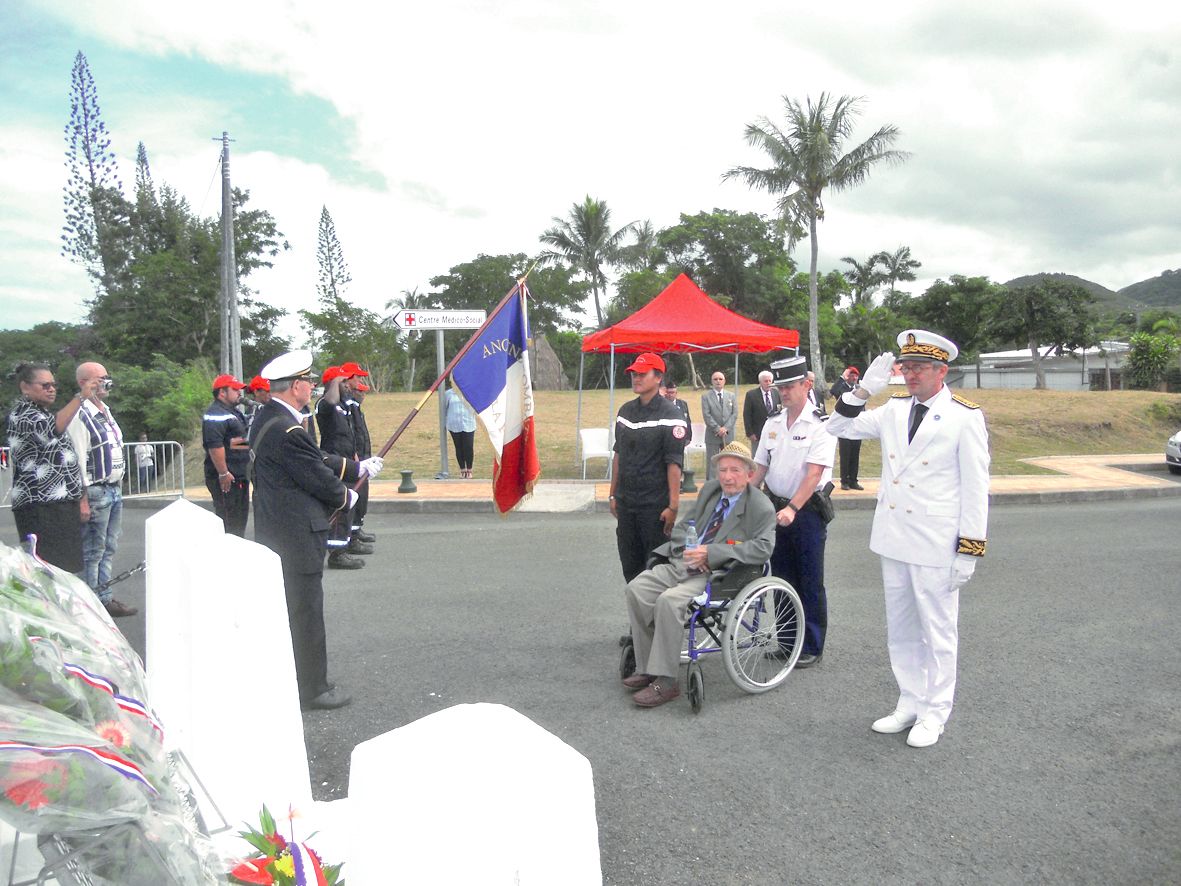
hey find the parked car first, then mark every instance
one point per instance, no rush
(1173, 453)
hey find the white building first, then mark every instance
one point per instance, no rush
(1098, 368)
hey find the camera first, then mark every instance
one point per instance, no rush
(106, 383)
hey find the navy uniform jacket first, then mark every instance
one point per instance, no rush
(297, 488)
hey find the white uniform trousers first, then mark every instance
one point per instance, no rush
(922, 635)
(658, 605)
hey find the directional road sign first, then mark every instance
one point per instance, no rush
(413, 318)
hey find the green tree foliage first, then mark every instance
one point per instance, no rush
(897, 265)
(584, 241)
(962, 309)
(806, 159)
(864, 279)
(410, 299)
(1050, 316)
(92, 199)
(1150, 358)
(644, 254)
(738, 258)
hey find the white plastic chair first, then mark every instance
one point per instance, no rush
(594, 443)
(697, 444)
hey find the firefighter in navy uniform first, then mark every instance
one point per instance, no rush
(353, 394)
(299, 491)
(227, 455)
(650, 435)
(336, 437)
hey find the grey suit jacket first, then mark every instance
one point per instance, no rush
(717, 415)
(747, 535)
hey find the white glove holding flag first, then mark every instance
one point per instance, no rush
(371, 467)
(962, 570)
(352, 498)
(877, 376)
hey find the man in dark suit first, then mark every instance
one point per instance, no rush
(760, 402)
(719, 411)
(298, 490)
(735, 523)
(669, 392)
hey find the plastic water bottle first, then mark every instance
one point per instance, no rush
(691, 534)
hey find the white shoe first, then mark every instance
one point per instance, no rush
(924, 734)
(894, 723)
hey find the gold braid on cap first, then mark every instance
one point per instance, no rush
(973, 547)
(913, 348)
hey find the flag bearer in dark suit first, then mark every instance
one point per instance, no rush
(298, 489)
(736, 524)
(930, 523)
(795, 459)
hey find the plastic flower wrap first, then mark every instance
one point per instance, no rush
(82, 760)
(281, 862)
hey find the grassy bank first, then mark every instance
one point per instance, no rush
(1021, 423)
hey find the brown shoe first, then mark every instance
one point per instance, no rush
(657, 693)
(119, 610)
(638, 681)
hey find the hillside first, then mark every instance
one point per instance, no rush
(1162, 291)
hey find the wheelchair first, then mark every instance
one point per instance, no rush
(756, 621)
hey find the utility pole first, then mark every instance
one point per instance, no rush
(231, 330)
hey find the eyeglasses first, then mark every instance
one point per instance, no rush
(45, 385)
(913, 368)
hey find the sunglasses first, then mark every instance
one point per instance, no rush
(45, 385)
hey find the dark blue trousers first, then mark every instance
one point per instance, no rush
(798, 559)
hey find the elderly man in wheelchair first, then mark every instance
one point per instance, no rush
(735, 524)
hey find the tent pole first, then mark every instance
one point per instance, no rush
(611, 416)
(578, 420)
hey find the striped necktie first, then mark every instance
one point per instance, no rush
(711, 529)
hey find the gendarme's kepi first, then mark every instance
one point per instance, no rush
(788, 370)
(293, 364)
(919, 344)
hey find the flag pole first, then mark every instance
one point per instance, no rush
(447, 370)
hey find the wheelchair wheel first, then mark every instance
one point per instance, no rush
(627, 660)
(695, 688)
(762, 641)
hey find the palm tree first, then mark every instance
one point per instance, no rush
(409, 300)
(864, 279)
(586, 242)
(806, 158)
(898, 265)
(644, 253)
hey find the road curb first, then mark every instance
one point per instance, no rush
(861, 503)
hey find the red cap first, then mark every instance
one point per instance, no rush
(330, 373)
(258, 383)
(227, 381)
(853, 370)
(350, 370)
(361, 386)
(644, 362)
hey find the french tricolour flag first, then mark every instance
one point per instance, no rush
(494, 378)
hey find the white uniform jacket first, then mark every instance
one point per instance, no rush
(933, 500)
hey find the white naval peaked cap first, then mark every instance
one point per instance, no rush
(919, 344)
(293, 364)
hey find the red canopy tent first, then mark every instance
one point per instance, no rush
(683, 318)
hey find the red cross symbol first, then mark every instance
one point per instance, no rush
(409, 319)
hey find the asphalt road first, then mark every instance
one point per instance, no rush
(1059, 765)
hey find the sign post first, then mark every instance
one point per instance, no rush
(412, 319)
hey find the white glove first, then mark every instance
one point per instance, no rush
(371, 467)
(877, 376)
(352, 500)
(962, 570)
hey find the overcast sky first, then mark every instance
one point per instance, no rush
(1044, 137)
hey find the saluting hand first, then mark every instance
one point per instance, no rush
(877, 376)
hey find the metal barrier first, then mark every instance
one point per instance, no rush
(165, 476)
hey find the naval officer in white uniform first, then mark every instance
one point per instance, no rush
(931, 519)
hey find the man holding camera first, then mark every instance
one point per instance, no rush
(98, 442)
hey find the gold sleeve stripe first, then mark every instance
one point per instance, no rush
(973, 547)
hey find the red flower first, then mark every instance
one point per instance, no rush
(28, 793)
(277, 841)
(254, 870)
